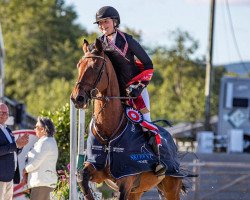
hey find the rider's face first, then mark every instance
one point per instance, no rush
(106, 26)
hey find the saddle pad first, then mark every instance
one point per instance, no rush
(129, 153)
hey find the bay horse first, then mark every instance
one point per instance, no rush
(97, 81)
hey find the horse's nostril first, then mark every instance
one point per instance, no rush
(80, 99)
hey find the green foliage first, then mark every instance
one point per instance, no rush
(177, 88)
(218, 72)
(62, 188)
(41, 42)
(49, 96)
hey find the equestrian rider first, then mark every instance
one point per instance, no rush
(133, 75)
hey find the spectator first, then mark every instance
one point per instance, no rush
(40, 169)
(9, 148)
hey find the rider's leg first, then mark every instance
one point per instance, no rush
(142, 103)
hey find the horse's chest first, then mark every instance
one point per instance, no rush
(126, 154)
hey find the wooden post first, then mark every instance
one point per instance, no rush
(209, 67)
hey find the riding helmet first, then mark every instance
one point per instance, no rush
(107, 12)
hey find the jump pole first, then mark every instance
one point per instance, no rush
(81, 131)
(79, 148)
(73, 152)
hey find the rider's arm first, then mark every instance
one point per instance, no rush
(140, 53)
(145, 64)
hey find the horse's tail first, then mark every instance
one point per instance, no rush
(184, 188)
(186, 183)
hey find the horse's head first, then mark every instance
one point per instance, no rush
(90, 81)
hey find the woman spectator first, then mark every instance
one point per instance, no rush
(41, 161)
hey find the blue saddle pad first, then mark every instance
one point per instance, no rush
(129, 153)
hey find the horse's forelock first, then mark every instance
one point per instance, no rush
(91, 48)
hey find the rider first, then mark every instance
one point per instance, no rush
(133, 75)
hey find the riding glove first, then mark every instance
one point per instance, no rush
(134, 90)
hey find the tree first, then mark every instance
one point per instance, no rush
(177, 92)
(51, 96)
(41, 41)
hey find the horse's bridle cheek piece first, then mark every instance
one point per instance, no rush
(92, 91)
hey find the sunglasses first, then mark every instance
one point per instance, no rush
(38, 127)
(3, 113)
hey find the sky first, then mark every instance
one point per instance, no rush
(156, 19)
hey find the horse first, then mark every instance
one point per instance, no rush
(97, 81)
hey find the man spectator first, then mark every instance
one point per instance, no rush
(9, 148)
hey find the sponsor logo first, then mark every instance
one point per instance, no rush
(98, 148)
(141, 157)
(117, 149)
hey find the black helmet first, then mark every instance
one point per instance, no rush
(107, 12)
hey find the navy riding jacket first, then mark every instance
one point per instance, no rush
(122, 55)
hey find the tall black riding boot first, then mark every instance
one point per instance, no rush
(160, 169)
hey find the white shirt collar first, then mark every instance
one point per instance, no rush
(3, 126)
(113, 37)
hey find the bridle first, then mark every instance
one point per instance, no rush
(99, 76)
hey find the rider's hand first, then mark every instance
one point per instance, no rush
(134, 90)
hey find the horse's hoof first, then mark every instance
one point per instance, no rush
(88, 197)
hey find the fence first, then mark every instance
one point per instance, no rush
(220, 178)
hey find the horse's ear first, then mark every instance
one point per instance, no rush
(98, 45)
(85, 45)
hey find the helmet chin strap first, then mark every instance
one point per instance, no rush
(114, 30)
(111, 33)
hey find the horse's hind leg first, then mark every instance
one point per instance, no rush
(135, 196)
(125, 185)
(171, 187)
(83, 178)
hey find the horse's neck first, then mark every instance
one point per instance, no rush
(109, 113)
(108, 116)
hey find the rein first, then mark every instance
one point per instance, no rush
(113, 134)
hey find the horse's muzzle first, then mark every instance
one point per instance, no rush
(80, 101)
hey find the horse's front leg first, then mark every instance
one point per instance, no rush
(83, 177)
